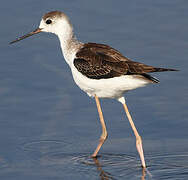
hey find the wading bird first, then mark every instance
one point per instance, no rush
(98, 69)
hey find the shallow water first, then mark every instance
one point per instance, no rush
(49, 128)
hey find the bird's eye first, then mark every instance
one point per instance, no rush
(48, 21)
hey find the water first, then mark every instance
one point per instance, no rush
(48, 127)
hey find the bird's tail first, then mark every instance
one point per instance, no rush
(151, 78)
(163, 69)
(155, 80)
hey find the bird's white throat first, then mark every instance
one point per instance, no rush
(64, 30)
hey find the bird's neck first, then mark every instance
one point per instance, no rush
(69, 45)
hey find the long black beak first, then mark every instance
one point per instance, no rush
(36, 31)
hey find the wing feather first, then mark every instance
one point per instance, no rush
(99, 61)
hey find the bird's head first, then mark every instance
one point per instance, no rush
(54, 22)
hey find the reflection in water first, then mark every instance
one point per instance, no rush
(143, 173)
(49, 158)
(52, 155)
(38, 94)
(103, 174)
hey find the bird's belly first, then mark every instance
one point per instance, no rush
(107, 88)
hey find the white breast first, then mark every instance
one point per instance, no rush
(107, 88)
(103, 88)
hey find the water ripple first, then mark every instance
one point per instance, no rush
(53, 155)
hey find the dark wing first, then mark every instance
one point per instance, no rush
(99, 61)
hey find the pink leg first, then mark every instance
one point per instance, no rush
(104, 131)
(138, 137)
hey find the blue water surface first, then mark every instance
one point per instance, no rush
(49, 127)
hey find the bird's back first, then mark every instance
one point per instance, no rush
(99, 61)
